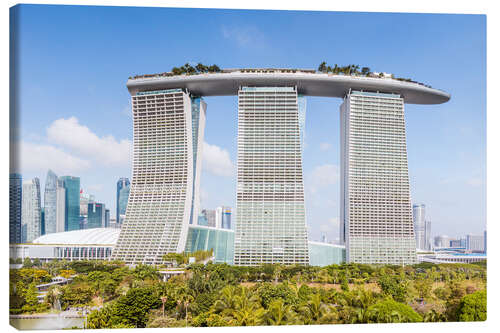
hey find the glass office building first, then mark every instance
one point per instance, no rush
(202, 238)
(324, 254)
(96, 217)
(72, 204)
(60, 206)
(375, 210)
(15, 207)
(270, 211)
(31, 210)
(122, 193)
(163, 191)
(50, 202)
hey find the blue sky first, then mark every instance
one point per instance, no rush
(75, 116)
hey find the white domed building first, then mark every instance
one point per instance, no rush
(84, 244)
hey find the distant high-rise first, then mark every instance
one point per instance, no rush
(96, 215)
(210, 216)
(122, 193)
(72, 209)
(223, 217)
(15, 207)
(475, 243)
(428, 229)
(442, 241)
(60, 206)
(375, 190)
(31, 210)
(50, 202)
(85, 199)
(42, 221)
(106, 219)
(485, 242)
(419, 225)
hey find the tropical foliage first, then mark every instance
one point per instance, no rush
(223, 295)
(356, 70)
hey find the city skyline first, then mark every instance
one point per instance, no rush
(451, 185)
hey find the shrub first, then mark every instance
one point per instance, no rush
(472, 307)
(390, 311)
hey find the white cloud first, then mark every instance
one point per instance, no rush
(217, 161)
(104, 150)
(324, 146)
(39, 158)
(323, 176)
(248, 36)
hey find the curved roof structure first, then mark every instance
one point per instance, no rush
(99, 236)
(307, 82)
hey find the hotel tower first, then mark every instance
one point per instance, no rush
(270, 211)
(375, 208)
(164, 193)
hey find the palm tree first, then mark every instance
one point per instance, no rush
(313, 310)
(322, 67)
(227, 300)
(201, 68)
(280, 314)
(247, 309)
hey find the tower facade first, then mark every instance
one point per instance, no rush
(375, 208)
(50, 202)
(96, 215)
(270, 210)
(72, 203)
(15, 207)
(162, 191)
(419, 226)
(122, 193)
(60, 206)
(31, 210)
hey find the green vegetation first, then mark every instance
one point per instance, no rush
(183, 258)
(355, 70)
(198, 69)
(222, 295)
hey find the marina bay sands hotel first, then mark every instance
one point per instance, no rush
(169, 113)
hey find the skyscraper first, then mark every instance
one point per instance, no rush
(122, 193)
(209, 215)
(50, 202)
(106, 219)
(42, 221)
(270, 211)
(428, 229)
(96, 215)
(31, 210)
(375, 192)
(223, 217)
(15, 207)
(72, 208)
(475, 243)
(163, 190)
(419, 225)
(60, 206)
